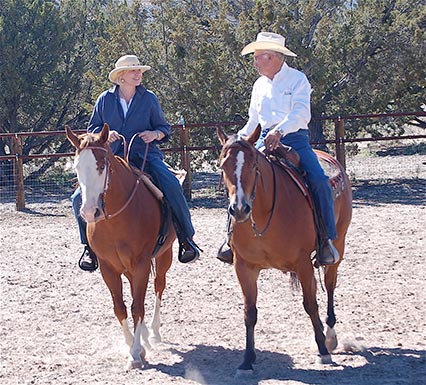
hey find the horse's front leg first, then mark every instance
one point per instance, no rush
(309, 288)
(247, 276)
(115, 285)
(138, 284)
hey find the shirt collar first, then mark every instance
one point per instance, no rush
(114, 90)
(282, 73)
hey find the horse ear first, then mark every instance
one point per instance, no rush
(254, 136)
(72, 137)
(104, 134)
(221, 135)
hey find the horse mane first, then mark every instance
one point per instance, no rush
(136, 171)
(86, 140)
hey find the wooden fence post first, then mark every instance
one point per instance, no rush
(185, 158)
(339, 129)
(18, 173)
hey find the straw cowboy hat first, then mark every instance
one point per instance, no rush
(268, 41)
(126, 63)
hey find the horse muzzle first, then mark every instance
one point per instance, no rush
(93, 213)
(240, 212)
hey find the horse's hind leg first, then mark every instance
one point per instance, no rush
(309, 288)
(162, 265)
(330, 284)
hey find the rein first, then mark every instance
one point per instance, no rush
(258, 233)
(107, 178)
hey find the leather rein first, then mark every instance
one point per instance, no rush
(258, 233)
(104, 215)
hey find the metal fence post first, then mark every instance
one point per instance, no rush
(185, 158)
(18, 173)
(339, 129)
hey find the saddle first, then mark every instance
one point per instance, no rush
(166, 211)
(289, 160)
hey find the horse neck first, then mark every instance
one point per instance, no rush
(122, 181)
(265, 185)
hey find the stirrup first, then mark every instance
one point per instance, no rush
(188, 251)
(225, 253)
(88, 260)
(328, 254)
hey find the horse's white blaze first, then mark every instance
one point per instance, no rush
(238, 175)
(92, 183)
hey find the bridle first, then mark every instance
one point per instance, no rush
(256, 231)
(104, 215)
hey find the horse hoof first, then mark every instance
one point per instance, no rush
(244, 373)
(134, 364)
(331, 339)
(325, 359)
(155, 340)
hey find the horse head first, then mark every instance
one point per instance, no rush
(239, 163)
(91, 165)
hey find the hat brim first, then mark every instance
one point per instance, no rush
(266, 46)
(113, 74)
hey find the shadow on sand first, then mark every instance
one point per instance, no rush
(382, 366)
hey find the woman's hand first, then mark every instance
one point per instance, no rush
(149, 136)
(113, 136)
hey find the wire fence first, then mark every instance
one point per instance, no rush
(366, 159)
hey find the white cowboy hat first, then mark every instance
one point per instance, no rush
(126, 63)
(268, 41)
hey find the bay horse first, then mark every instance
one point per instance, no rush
(123, 220)
(273, 227)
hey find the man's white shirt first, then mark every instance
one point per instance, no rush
(283, 103)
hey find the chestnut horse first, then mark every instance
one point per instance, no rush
(123, 221)
(273, 227)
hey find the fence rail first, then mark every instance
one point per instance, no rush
(184, 148)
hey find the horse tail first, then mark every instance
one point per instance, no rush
(294, 281)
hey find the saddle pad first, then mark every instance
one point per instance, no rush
(332, 169)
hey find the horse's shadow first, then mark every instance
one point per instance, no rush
(382, 365)
(42, 214)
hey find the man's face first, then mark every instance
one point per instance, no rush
(262, 60)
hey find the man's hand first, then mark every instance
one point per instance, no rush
(272, 139)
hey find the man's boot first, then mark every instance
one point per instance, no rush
(88, 260)
(188, 251)
(328, 254)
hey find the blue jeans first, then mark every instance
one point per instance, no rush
(172, 190)
(318, 182)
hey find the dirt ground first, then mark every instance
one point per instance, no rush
(58, 326)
